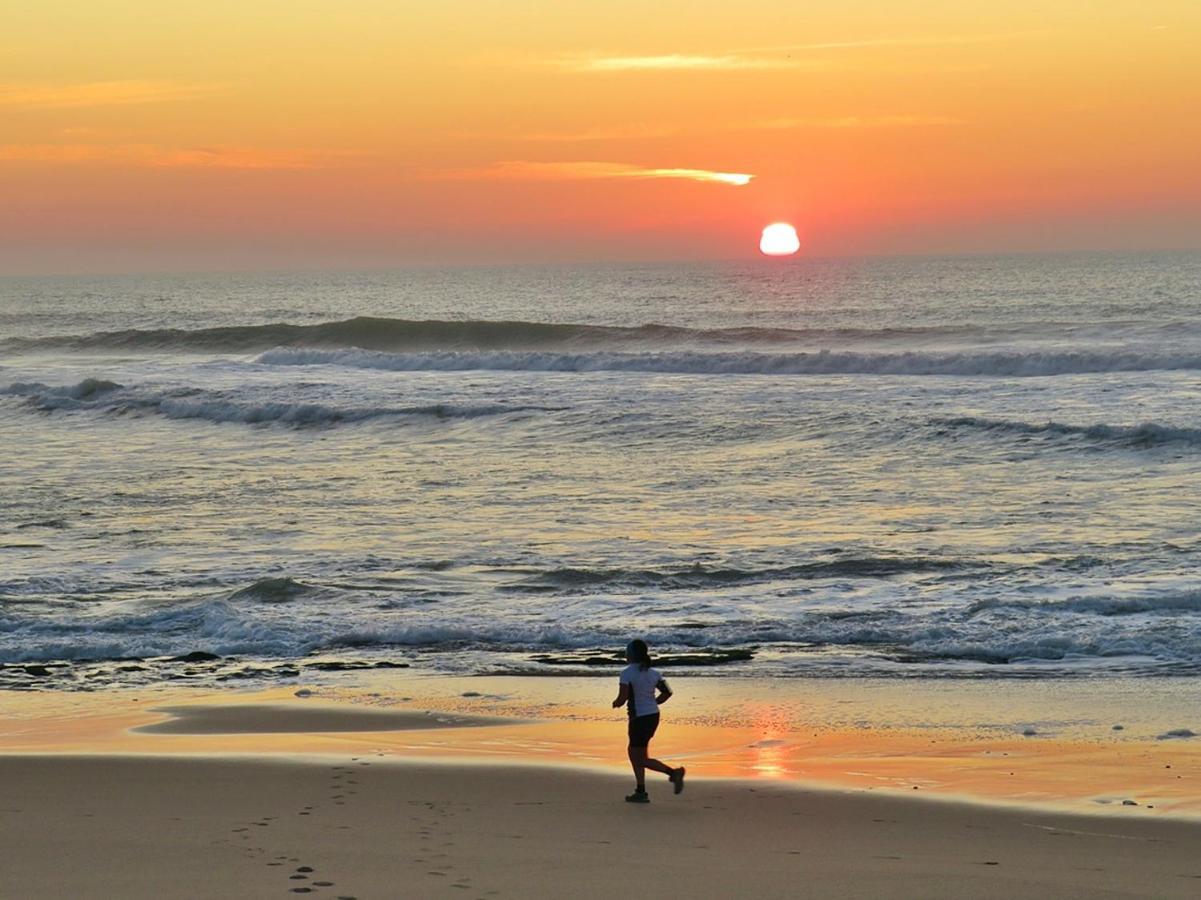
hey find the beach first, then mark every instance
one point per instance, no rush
(400, 405)
(254, 794)
(131, 827)
(911, 540)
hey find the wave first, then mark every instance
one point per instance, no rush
(115, 399)
(946, 642)
(1188, 601)
(286, 618)
(1148, 434)
(88, 389)
(378, 333)
(699, 577)
(824, 362)
(430, 335)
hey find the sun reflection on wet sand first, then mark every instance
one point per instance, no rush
(766, 742)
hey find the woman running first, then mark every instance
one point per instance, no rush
(638, 686)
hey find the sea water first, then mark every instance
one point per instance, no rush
(970, 467)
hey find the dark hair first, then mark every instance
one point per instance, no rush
(637, 651)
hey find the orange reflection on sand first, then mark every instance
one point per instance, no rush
(1159, 776)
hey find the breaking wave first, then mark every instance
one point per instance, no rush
(115, 399)
(824, 362)
(1148, 434)
(1078, 633)
(700, 577)
(377, 333)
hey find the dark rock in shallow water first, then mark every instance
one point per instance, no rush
(1176, 733)
(699, 658)
(272, 590)
(39, 671)
(195, 656)
(350, 665)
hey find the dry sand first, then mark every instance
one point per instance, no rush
(188, 827)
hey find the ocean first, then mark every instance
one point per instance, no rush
(977, 468)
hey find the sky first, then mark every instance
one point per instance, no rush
(206, 134)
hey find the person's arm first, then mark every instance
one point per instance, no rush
(664, 692)
(623, 696)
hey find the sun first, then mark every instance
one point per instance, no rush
(779, 239)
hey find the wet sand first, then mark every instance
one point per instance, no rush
(294, 719)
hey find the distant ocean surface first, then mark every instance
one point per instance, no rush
(972, 467)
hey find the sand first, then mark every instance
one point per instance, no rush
(367, 828)
(281, 719)
(260, 794)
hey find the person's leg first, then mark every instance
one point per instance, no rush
(638, 763)
(655, 765)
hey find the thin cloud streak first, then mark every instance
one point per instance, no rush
(637, 132)
(901, 121)
(943, 40)
(524, 170)
(674, 61)
(620, 133)
(98, 93)
(156, 157)
(756, 57)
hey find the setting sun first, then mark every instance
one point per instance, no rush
(779, 239)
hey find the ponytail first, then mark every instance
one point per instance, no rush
(637, 651)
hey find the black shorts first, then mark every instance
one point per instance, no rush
(642, 729)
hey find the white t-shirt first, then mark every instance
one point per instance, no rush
(642, 684)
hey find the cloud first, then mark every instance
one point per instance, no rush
(932, 40)
(522, 170)
(97, 93)
(154, 156)
(647, 131)
(617, 133)
(765, 58)
(671, 61)
(894, 121)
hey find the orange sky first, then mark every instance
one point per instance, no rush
(261, 133)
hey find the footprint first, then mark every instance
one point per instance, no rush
(323, 884)
(304, 869)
